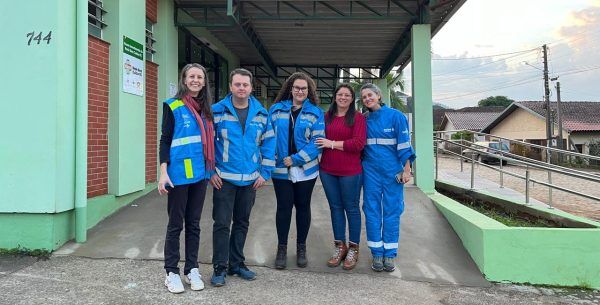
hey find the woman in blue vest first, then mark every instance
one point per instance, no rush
(386, 168)
(297, 122)
(186, 158)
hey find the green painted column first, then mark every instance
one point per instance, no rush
(126, 111)
(423, 106)
(385, 91)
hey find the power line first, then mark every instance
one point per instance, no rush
(486, 56)
(507, 85)
(484, 64)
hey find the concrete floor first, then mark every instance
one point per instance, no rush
(429, 250)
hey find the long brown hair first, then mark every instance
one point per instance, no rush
(204, 97)
(285, 93)
(332, 112)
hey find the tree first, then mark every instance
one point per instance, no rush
(495, 101)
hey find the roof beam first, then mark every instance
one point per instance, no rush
(234, 13)
(400, 46)
(400, 5)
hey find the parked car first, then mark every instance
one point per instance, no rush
(485, 146)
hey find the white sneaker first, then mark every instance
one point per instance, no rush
(194, 279)
(173, 283)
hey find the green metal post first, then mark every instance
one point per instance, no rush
(81, 122)
(423, 106)
(385, 92)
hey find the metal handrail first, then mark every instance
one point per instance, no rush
(527, 178)
(516, 159)
(558, 150)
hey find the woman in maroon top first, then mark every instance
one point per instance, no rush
(341, 173)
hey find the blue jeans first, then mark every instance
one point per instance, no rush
(343, 193)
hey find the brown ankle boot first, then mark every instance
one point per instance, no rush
(338, 255)
(351, 257)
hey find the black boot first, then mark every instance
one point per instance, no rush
(281, 258)
(301, 260)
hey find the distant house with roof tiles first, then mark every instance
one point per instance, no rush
(468, 118)
(526, 121)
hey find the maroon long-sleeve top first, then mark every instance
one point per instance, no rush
(347, 162)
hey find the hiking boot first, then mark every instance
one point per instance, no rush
(242, 271)
(389, 264)
(338, 255)
(218, 277)
(281, 258)
(173, 283)
(194, 279)
(377, 264)
(351, 257)
(301, 260)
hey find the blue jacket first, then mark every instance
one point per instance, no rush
(186, 157)
(242, 156)
(388, 140)
(308, 127)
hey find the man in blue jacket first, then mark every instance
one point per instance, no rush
(245, 158)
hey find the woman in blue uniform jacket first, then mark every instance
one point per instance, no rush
(297, 122)
(186, 157)
(386, 168)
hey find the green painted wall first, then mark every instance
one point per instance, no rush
(551, 256)
(38, 168)
(126, 148)
(50, 231)
(423, 106)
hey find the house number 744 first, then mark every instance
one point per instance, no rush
(33, 37)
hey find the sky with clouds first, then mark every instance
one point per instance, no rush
(493, 47)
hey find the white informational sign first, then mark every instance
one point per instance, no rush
(172, 89)
(133, 67)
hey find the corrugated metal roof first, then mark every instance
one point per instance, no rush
(331, 32)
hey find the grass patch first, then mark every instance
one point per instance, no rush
(20, 251)
(508, 218)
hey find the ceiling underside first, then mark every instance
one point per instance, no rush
(306, 33)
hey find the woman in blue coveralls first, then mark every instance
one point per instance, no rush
(297, 122)
(186, 156)
(386, 168)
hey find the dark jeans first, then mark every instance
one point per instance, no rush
(231, 201)
(290, 195)
(343, 193)
(184, 205)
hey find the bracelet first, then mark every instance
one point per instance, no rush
(332, 142)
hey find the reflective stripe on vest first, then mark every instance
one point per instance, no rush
(237, 177)
(280, 170)
(310, 164)
(260, 119)
(403, 145)
(176, 104)
(381, 141)
(304, 156)
(267, 162)
(189, 171)
(281, 116)
(186, 140)
(225, 145)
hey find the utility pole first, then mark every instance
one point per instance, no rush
(547, 97)
(559, 117)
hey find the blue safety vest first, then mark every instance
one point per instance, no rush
(243, 156)
(308, 127)
(186, 159)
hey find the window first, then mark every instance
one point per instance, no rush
(150, 41)
(95, 18)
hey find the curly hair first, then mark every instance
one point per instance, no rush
(285, 93)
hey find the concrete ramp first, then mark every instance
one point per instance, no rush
(429, 249)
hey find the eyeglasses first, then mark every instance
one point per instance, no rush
(300, 89)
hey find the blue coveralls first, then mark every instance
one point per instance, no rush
(387, 150)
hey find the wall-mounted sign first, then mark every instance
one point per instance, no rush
(133, 66)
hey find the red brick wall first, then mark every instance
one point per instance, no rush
(152, 10)
(151, 120)
(97, 172)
